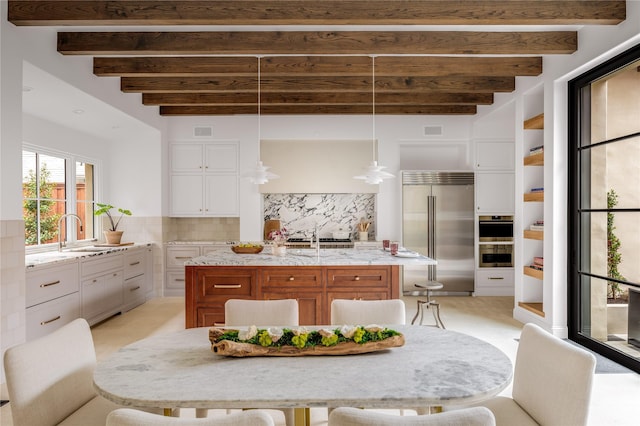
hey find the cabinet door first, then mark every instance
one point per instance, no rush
(491, 155)
(221, 157)
(309, 304)
(47, 317)
(221, 195)
(186, 158)
(92, 294)
(187, 195)
(495, 193)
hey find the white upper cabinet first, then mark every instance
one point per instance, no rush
(495, 192)
(204, 179)
(494, 155)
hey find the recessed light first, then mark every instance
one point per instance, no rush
(78, 111)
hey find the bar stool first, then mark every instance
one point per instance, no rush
(425, 304)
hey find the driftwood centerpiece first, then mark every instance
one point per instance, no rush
(346, 340)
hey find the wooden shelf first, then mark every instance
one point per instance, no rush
(534, 159)
(533, 235)
(535, 273)
(534, 307)
(535, 123)
(534, 196)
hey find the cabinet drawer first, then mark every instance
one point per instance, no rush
(495, 277)
(174, 280)
(134, 264)
(100, 266)
(358, 277)
(239, 283)
(292, 277)
(176, 256)
(210, 316)
(49, 283)
(50, 316)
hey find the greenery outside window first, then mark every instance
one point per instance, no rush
(55, 184)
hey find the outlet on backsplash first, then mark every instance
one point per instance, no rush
(300, 213)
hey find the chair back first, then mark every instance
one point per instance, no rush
(51, 377)
(242, 312)
(130, 417)
(364, 312)
(476, 416)
(552, 378)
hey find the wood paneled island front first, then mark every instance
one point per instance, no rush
(313, 280)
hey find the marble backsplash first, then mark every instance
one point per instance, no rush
(300, 213)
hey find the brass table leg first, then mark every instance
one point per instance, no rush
(167, 412)
(302, 416)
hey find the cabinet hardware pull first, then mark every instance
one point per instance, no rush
(227, 286)
(115, 274)
(51, 320)
(496, 278)
(183, 257)
(135, 288)
(48, 284)
(357, 278)
(134, 263)
(291, 278)
(179, 279)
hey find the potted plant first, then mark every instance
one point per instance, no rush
(112, 235)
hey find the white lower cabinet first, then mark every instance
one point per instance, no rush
(52, 298)
(137, 277)
(102, 283)
(494, 282)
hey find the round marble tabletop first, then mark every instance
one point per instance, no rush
(434, 367)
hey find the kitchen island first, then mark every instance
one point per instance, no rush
(313, 280)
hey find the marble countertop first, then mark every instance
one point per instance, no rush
(73, 254)
(434, 367)
(307, 257)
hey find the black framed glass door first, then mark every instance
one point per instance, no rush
(604, 209)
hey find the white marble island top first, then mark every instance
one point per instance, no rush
(308, 257)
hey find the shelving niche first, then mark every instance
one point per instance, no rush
(532, 292)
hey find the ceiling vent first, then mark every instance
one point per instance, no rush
(432, 130)
(202, 132)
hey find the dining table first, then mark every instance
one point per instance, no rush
(434, 367)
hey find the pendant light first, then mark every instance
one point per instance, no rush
(260, 174)
(375, 175)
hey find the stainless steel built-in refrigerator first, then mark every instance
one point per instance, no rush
(438, 221)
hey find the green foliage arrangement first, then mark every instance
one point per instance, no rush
(301, 338)
(106, 209)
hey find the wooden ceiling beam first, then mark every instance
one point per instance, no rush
(318, 43)
(250, 99)
(150, 66)
(316, 84)
(313, 12)
(320, 109)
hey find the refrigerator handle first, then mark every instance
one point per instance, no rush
(431, 226)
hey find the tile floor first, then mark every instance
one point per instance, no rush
(614, 397)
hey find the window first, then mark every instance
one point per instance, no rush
(604, 209)
(51, 189)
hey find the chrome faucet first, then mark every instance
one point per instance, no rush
(75, 216)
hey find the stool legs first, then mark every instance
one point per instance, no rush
(422, 304)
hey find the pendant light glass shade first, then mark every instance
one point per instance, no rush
(260, 174)
(374, 175)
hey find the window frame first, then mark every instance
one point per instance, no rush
(70, 181)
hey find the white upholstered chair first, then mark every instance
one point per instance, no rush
(364, 312)
(347, 416)
(50, 379)
(130, 417)
(244, 312)
(552, 382)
